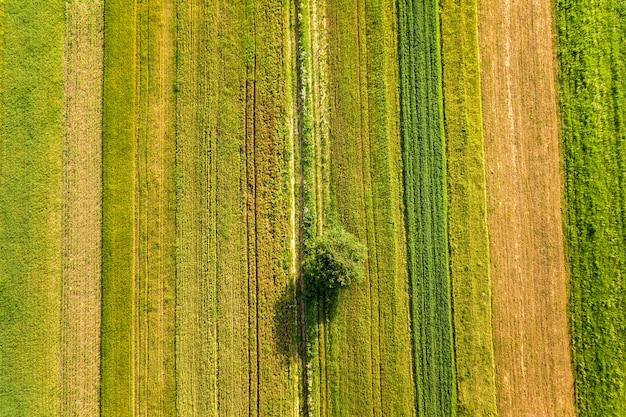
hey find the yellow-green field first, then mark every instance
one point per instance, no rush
(167, 167)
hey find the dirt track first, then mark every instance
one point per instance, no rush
(524, 179)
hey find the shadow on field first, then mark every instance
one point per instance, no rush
(288, 317)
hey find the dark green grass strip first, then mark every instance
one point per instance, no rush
(425, 195)
(118, 210)
(592, 53)
(467, 212)
(31, 100)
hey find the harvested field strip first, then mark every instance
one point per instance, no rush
(367, 343)
(234, 127)
(196, 299)
(82, 210)
(524, 189)
(467, 211)
(31, 120)
(592, 57)
(233, 342)
(154, 373)
(426, 211)
(118, 220)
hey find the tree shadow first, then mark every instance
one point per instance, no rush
(299, 310)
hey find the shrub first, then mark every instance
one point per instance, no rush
(336, 260)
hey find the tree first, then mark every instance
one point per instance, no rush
(335, 261)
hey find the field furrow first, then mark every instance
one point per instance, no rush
(155, 387)
(467, 211)
(82, 209)
(592, 55)
(524, 190)
(31, 137)
(423, 151)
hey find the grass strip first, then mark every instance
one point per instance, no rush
(426, 206)
(31, 123)
(467, 210)
(155, 378)
(592, 57)
(118, 220)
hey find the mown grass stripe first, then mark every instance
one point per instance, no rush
(31, 122)
(272, 144)
(349, 374)
(118, 219)
(467, 210)
(196, 303)
(82, 209)
(592, 55)
(391, 328)
(426, 212)
(155, 393)
(232, 285)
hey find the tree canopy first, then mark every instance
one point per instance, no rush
(336, 260)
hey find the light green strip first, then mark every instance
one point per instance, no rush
(31, 102)
(118, 210)
(592, 52)
(469, 240)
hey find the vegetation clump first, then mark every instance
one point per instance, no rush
(336, 260)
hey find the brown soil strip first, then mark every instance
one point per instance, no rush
(532, 341)
(82, 205)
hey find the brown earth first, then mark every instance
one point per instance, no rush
(532, 340)
(82, 207)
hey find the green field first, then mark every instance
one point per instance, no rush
(593, 80)
(467, 211)
(31, 117)
(423, 155)
(367, 340)
(118, 206)
(166, 166)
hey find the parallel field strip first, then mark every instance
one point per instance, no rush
(312, 102)
(524, 196)
(467, 211)
(235, 330)
(272, 143)
(31, 132)
(426, 207)
(592, 55)
(118, 206)
(82, 209)
(397, 395)
(367, 343)
(154, 211)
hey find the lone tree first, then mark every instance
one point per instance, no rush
(335, 261)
